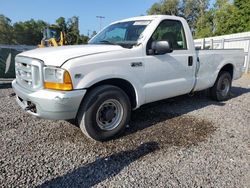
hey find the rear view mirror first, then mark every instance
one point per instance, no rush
(161, 47)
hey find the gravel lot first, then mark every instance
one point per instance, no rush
(181, 142)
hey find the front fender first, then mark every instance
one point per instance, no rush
(106, 73)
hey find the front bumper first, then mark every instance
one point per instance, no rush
(48, 104)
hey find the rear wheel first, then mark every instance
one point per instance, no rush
(222, 87)
(104, 113)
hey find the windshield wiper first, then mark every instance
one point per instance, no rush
(124, 45)
(107, 42)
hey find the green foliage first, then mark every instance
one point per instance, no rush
(205, 25)
(242, 15)
(232, 17)
(224, 17)
(5, 30)
(169, 7)
(83, 39)
(194, 10)
(72, 30)
(155, 9)
(93, 34)
(61, 23)
(30, 32)
(71, 27)
(189, 9)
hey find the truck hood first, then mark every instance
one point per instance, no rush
(56, 56)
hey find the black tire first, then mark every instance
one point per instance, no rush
(93, 107)
(222, 87)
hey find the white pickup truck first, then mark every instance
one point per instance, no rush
(129, 63)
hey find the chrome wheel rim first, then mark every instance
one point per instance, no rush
(109, 115)
(224, 87)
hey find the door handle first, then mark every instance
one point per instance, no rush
(190, 61)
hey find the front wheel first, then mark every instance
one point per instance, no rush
(222, 87)
(104, 113)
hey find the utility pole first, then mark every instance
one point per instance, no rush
(89, 32)
(100, 20)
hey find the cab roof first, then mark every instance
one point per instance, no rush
(151, 17)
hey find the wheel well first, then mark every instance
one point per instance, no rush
(126, 86)
(228, 68)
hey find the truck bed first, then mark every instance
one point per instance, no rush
(210, 63)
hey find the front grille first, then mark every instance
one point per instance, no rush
(29, 73)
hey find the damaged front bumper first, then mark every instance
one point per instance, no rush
(49, 104)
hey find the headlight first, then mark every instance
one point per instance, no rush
(57, 78)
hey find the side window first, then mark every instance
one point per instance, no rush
(173, 32)
(134, 32)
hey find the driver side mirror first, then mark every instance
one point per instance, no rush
(161, 47)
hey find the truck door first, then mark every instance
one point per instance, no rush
(171, 74)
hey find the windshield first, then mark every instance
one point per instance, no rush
(125, 34)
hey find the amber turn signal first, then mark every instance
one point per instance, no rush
(65, 86)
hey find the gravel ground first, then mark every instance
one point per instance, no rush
(181, 142)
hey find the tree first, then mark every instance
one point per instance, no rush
(194, 10)
(224, 18)
(155, 9)
(205, 25)
(5, 30)
(191, 10)
(28, 32)
(169, 7)
(93, 34)
(73, 29)
(242, 15)
(61, 23)
(83, 39)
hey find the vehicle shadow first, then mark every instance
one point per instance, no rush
(157, 112)
(172, 117)
(160, 126)
(238, 91)
(101, 169)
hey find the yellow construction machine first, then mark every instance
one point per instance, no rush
(53, 36)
